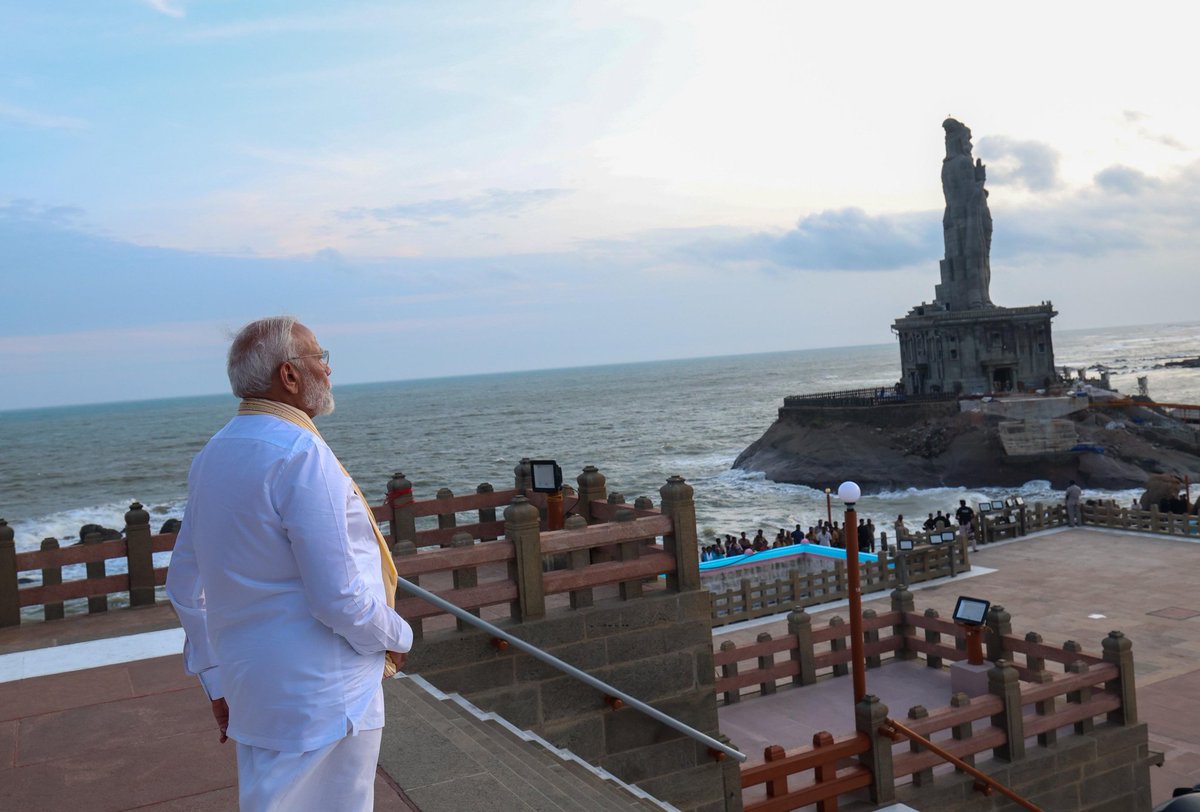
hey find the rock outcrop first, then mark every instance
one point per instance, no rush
(883, 448)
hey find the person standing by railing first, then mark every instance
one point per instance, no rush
(284, 586)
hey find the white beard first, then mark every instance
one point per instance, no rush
(318, 394)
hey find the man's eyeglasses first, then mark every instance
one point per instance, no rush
(323, 355)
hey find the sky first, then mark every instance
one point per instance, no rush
(465, 187)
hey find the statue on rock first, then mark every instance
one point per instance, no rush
(966, 225)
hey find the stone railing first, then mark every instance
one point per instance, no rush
(511, 562)
(1033, 690)
(758, 599)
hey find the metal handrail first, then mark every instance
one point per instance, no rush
(570, 670)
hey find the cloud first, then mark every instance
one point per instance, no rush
(25, 117)
(500, 202)
(1030, 164)
(1125, 180)
(1135, 118)
(167, 7)
(834, 240)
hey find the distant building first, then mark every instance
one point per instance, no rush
(961, 342)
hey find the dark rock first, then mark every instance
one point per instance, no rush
(106, 533)
(1189, 363)
(170, 526)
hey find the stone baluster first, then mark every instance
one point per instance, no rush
(999, 623)
(924, 777)
(1083, 726)
(10, 598)
(579, 560)
(400, 503)
(449, 520)
(902, 601)
(838, 644)
(95, 570)
(1004, 683)
(728, 671)
(592, 488)
(963, 731)
(800, 626)
(628, 551)
(486, 514)
(139, 555)
(932, 636)
(523, 475)
(869, 716)
(522, 528)
(464, 577)
(52, 576)
(871, 636)
(765, 663)
(678, 503)
(1119, 651)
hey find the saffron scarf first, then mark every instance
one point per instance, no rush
(298, 418)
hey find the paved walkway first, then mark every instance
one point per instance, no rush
(138, 735)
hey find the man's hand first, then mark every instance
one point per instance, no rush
(221, 713)
(398, 659)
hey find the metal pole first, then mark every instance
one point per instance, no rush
(570, 670)
(857, 655)
(828, 511)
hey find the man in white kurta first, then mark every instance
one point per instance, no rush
(277, 580)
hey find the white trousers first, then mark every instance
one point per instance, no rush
(340, 776)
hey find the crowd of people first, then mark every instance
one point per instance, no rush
(824, 533)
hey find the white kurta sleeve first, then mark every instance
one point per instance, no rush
(344, 592)
(186, 593)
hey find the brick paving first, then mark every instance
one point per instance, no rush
(139, 735)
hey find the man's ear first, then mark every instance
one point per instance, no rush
(288, 377)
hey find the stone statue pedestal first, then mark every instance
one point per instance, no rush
(969, 679)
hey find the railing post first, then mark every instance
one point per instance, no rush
(902, 601)
(401, 549)
(578, 560)
(765, 663)
(1119, 651)
(643, 503)
(800, 625)
(52, 576)
(931, 636)
(400, 502)
(1032, 661)
(730, 670)
(464, 577)
(10, 598)
(1083, 726)
(446, 521)
(678, 503)
(999, 623)
(838, 643)
(95, 569)
(964, 731)
(521, 527)
(871, 636)
(776, 787)
(1003, 682)
(1070, 647)
(523, 475)
(486, 514)
(1045, 707)
(628, 551)
(869, 716)
(139, 555)
(591, 489)
(923, 777)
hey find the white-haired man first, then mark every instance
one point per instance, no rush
(284, 586)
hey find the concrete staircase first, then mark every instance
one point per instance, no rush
(449, 756)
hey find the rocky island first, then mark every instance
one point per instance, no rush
(979, 402)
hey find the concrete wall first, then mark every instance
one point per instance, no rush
(887, 416)
(656, 648)
(1026, 408)
(1106, 771)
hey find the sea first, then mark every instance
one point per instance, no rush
(639, 423)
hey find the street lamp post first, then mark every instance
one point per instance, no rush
(849, 493)
(828, 511)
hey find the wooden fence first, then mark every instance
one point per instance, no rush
(923, 563)
(511, 561)
(1035, 690)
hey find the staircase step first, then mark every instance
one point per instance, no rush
(542, 776)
